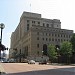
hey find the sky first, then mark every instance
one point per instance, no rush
(11, 11)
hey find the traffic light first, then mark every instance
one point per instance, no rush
(6, 48)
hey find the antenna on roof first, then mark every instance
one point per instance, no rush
(30, 7)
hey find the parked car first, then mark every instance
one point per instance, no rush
(31, 62)
(43, 62)
(5, 61)
(25, 61)
(12, 61)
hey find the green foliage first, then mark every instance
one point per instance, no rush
(73, 42)
(52, 52)
(66, 49)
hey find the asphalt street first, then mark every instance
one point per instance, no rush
(36, 69)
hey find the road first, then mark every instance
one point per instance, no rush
(36, 69)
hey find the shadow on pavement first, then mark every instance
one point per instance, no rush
(64, 71)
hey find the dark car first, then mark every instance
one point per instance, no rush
(12, 61)
(43, 62)
(5, 61)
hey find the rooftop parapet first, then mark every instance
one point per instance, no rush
(30, 14)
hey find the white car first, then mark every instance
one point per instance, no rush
(31, 62)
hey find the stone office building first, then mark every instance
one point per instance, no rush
(34, 33)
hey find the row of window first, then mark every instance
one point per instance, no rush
(52, 39)
(34, 22)
(55, 30)
(55, 35)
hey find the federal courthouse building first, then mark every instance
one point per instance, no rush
(34, 33)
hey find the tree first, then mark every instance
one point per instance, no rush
(73, 42)
(66, 51)
(14, 54)
(20, 55)
(52, 53)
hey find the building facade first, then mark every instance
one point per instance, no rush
(34, 33)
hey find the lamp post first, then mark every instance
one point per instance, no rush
(58, 53)
(42, 56)
(2, 27)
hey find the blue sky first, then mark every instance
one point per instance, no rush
(11, 11)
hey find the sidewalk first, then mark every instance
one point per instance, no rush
(2, 72)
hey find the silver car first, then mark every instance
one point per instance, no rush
(31, 62)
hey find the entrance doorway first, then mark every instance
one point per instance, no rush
(44, 49)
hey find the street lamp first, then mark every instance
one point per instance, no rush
(1, 46)
(2, 26)
(57, 49)
(42, 54)
(58, 53)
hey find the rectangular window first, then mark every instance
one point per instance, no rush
(37, 38)
(61, 35)
(52, 39)
(43, 25)
(42, 38)
(27, 27)
(37, 45)
(37, 33)
(55, 35)
(43, 34)
(52, 34)
(38, 22)
(49, 39)
(46, 39)
(59, 40)
(27, 21)
(47, 25)
(57, 25)
(46, 34)
(58, 35)
(64, 35)
(33, 21)
(69, 36)
(55, 39)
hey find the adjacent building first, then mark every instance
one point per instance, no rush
(34, 33)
